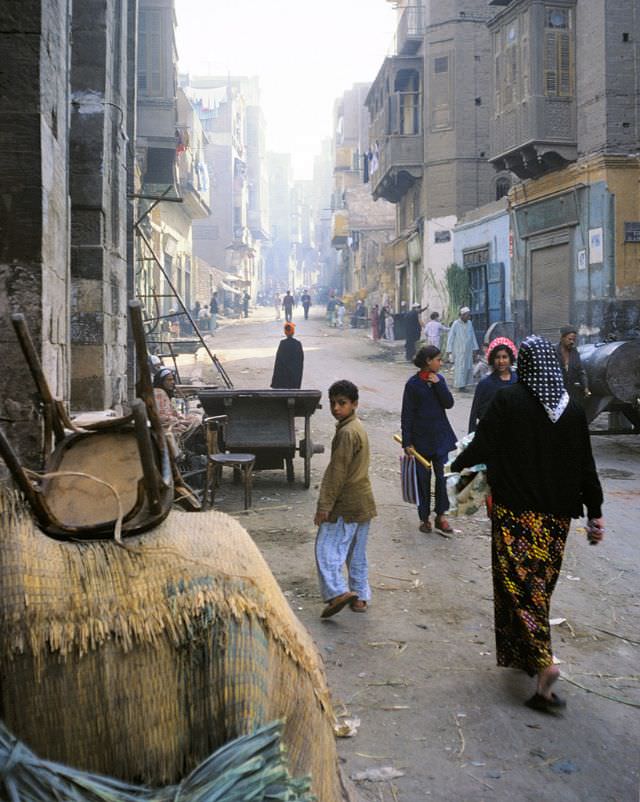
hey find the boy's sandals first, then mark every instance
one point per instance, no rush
(338, 603)
(359, 606)
(426, 527)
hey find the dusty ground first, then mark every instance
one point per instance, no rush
(418, 669)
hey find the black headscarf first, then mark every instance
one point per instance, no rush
(539, 370)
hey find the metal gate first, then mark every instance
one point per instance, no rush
(550, 290)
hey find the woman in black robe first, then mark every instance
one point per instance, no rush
(287, 369)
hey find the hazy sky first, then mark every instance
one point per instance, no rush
(306, 53)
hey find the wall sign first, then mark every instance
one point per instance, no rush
(632, 232)
(582, 260)
(596, 249)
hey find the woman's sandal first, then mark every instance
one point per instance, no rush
(359, 606)
(544, 704)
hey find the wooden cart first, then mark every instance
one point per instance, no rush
(262, 422)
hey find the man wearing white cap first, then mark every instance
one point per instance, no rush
(461, 345)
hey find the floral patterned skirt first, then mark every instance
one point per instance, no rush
(527, 551)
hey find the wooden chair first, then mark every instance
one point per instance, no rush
(242, 464)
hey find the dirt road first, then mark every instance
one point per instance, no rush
(418, 669)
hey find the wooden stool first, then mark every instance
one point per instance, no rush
(239, 462)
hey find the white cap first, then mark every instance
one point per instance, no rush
(464, 310)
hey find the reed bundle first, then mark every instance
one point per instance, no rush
(251, 768)
(138, 660)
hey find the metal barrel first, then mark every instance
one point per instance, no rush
(613, 369)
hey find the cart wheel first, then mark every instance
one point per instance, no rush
(289, 467)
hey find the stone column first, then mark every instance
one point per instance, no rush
(99, 144)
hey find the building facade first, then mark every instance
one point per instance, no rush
(571, 138)
(280, 270)
(430, 106)
(233, 236)
(361, 226)
(174, 187)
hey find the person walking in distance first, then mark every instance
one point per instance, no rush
(213, 310)
(462, 345)
(375, 321)
(413, 331)
(345, 509)
(535, 443)
(306, 303)
(434, 330)
(287, 305)
(277, 305)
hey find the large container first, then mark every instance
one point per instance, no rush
(613, 369)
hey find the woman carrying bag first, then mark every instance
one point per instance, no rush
(426, 429)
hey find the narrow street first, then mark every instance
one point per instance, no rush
(418, 669)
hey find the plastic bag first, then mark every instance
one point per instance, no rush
(409, 479)
(467, 491)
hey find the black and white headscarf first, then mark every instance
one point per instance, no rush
(539, 369)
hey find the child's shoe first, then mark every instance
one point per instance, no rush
(425, 526)
(443, 527)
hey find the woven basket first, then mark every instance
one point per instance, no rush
(138, 660)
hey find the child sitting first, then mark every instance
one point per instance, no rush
(345, 508)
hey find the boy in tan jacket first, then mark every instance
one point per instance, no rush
(345, 508)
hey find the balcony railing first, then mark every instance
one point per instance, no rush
(410, 32)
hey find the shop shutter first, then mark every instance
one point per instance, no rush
(550, 293)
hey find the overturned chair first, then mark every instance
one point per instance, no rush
(109, 478)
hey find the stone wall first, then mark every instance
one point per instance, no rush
(33, 207)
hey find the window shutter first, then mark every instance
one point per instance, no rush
(524, 56)
(550, 64)
(440, 93)
(497, 86)
(564, 57)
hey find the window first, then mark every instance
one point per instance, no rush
(511, 55)
(441, 64)
(497, 77)
(440, 94)
(558, 53)
(150, 53)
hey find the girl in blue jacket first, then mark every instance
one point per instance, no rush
(426, 428)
